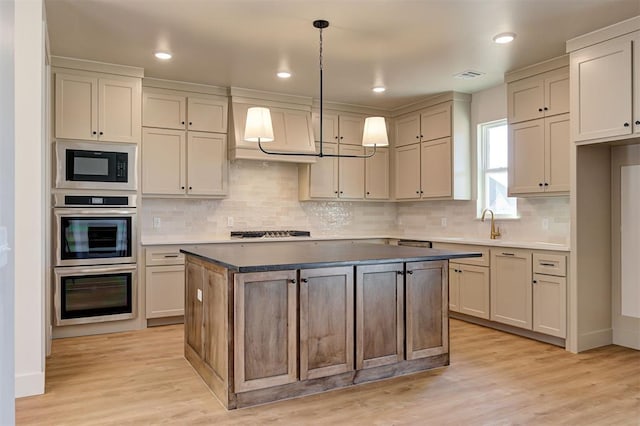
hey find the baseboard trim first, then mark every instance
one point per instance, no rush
(29, 384)
(595, 339)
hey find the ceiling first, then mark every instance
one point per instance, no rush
(413, 47)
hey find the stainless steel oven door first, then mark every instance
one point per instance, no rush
(95, 294)
(96, 165)
(94, 236)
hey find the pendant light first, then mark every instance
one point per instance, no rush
(258, 126)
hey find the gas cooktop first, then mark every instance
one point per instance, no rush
(269, 234)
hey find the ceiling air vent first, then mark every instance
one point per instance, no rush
(468, 74)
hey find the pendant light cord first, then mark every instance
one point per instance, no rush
(321, 122)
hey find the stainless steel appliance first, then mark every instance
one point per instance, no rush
(95, 257)
(94, 230)
(95, 294)
(93, 165)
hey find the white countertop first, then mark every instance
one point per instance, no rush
(155, 240)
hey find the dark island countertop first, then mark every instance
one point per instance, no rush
(294, 255)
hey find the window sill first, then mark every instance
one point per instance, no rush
(500, 218)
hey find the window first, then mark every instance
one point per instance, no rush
(492, 170)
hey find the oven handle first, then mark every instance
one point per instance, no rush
(74, 270)
(94, 212)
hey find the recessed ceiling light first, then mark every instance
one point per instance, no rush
(284, 74)
(504, 38)
(163, 55)
(379, 89)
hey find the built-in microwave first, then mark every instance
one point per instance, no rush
(96, 165)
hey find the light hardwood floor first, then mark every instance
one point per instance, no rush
(141, 378)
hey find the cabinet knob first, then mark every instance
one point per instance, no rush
(336, 137)
(409, 272)
(417, 192)
(94, 132)
(546, 184)
(190, 123)
(422, 136)
(335, 192)
(535, 281)
(626, 124)
(292, 281)
(341, 137)
(637, 122)
(342, 192)
(304, 280)
(190, 188)
(368, 193)
(182, 187)
(422, 192)
(183, 122)
(400, 272)
(546, 109)
(539, 109)
(417, 136)
(540, 184)
(101, 133)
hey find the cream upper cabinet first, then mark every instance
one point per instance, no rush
(172, 109)
(323, 179)
(439, 167)
(435, 168)
(351, 173)
(538, 96)
(163, 110)
(206, 163)
(376, 180)
(602, 90)
(175, 163)
(338, 127)
(435, 122)
(407, 172)
(407, 130)
(164, 162)
(539, 156)
(92, 106)
(207, 114)
(511, 292)
(636, 83)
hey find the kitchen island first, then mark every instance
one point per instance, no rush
(270, 321)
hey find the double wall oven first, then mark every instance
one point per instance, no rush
(94, 233)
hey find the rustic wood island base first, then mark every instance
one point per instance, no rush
(270, 321)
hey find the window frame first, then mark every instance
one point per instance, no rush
(482, 163)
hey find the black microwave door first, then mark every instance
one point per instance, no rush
(91, 166)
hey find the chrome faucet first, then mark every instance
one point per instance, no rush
(495, 232)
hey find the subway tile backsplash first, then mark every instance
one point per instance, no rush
(264, 195)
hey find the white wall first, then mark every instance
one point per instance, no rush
(29, 198)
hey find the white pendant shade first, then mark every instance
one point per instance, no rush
(258, 127)
(375, 132)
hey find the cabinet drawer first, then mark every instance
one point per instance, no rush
(478, 261)
(550, 264)
(169, 255)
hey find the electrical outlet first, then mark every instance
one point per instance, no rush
(156, 222)
(230, 222)
(199, 295)
(443, 222)
(545, 223)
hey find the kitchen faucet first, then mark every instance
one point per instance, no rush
(495, 232)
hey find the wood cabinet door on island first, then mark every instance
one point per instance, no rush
(427, 332)
(193, 309)
(265, 331)
(379, 315)
(326, 322)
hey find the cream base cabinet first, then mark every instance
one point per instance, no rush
(164, 282)
(266, 335)
(326, 322)
(550, 294)
(601, 90)
(511, 292)
(92, 106)
(472, 284)
(379, 315)
(454, 287)
(376, 180)
(427, 322)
